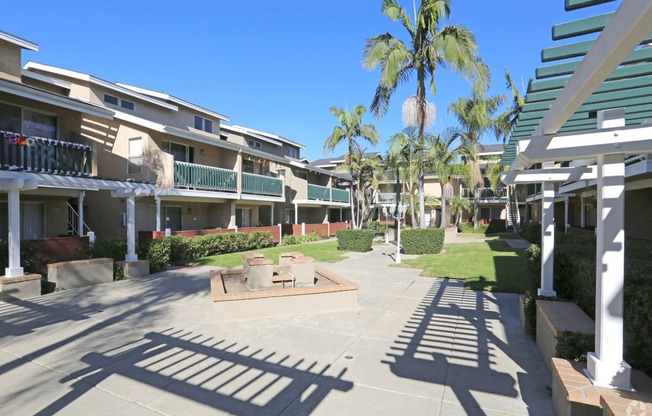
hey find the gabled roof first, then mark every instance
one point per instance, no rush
(173, 99)
(25, 44)
(621, 66)
(97, 81)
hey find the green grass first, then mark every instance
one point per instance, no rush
(493, 266)
(325, 252)
(497, 236)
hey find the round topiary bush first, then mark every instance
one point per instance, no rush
(355, 240)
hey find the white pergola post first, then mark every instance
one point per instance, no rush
(547, 239)
(566, 223)
(157, 201)
(582, 213)
(80, 213)
(13, 237)
(271, 215)
(606, 366)
(296, 213)
(131, 229)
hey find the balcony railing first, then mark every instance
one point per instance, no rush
(204, 177)
(39, 155)
(486, 194)
(390, 198)
(323, 193)
(261, 185)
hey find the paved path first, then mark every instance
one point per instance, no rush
(414, 346)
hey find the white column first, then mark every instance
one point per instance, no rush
(280, 234)
(296, 213)
(606, 366)
(303, 228)
(582, 213)
(131, 229)
(232, 221)
(13, 237)
(340, 214)
(157, 200)
(566, 223)
(547, 239)
(80, 213)
(271, 218)
(238, 170)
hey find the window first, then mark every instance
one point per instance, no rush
(135, 155)
(293, 152)
(255, 144)
(181, 152)
(301, 175)
(109, 99)
(127, 105)
(28, 122)
(203, 124)
(249, 166)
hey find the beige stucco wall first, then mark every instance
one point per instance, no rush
(10, 61)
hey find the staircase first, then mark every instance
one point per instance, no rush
(73, 222)
(513, 215)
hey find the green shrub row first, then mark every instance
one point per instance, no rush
(355, 240)
(574, 280)
(422, 240)
(376, 226)
(300, 239)
(163, 252)
(467, 227)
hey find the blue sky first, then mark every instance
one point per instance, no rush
(273, 66)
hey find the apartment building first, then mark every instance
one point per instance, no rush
(81, 154)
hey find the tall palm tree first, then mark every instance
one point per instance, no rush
(349, 129)
(431, 45)
(394, 163)
(404, 146)
(475, 118)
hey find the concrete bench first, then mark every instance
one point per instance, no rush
(553, 318)
(80, 273)
(285, 259)
(245, 265)
(260, 272)
(574, 394)
(303, 270)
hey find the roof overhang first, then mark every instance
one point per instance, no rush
(24, 44)
(54, 99)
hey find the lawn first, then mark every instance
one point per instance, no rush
(326, 252)
(493, 266)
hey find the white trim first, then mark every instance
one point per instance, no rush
(244, 131)
(549, 175)
(43, 78)
(168, 97)
(97, 81)
(318, 204)
(47, 97)
(272, 136)
(23, 43)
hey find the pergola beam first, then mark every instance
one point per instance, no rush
(549, 175)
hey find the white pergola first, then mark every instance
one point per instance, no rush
(607, 145)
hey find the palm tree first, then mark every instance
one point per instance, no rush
(475, 117)
(348, 130)
(458, 205)
(394, 162)
(403, 145)
(431, 45)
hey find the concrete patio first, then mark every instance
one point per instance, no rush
(414, 346)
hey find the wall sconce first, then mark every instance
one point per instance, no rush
(202, 152)
(189, 211)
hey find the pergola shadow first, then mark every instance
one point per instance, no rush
(450, 338)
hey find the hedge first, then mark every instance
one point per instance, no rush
(291, 239)
(355, 240)
(422, 240)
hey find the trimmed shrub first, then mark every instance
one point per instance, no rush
(300, 239)
(533, 256)
(355, 240)
(467, 227)
(574, 345)
(113, 248)
(532, 232)
(422, 240)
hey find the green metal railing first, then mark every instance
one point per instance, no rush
(261, 185)
(36, 154)
(340, 195)
(204, 177)
(321, 193)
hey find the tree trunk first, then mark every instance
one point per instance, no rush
(412, 213)
(422, 202)
(353, 223)
(444, 202)
(398, 200)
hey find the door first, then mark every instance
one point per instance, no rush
(173, 218)
(243, 217)
(32, 222)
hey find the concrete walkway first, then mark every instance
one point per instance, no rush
(414, 346)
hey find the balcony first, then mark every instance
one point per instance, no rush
(261, 185)
(389, 198)
(39, 155)
(209, 178)
(195, 176)
(323, 193)
(487, 194)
